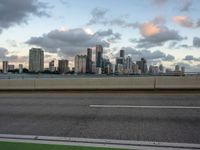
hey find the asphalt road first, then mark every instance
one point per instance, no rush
(160, 117)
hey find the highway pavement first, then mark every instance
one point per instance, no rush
(159, 117)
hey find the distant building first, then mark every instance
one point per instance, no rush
(52, 67)
(120, 69)
(113, 68)
(20, 68)
(89, 61)
(120, 60)
(63, 66)
(122, 53)
(36, 60)
(11, 67)
(161, 68)
(80, 64)
(128, 65)
(168, 71)
(99, 56)
(183, 70)
(154, 70)
(135, 68)
(93, 67)
(5, 66)
(177, 68)
(142, 66)
(105, 66)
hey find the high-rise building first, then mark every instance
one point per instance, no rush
(80, 64)
(93, 67)
(106, 66)
(161, 68)
(89, 61)
(177, 68)
(183, 70)
(36, 60)
(5, 66)
(52, 67)
(20, 68)
(120, 69)
(119, 60)
(122, 53)
(142, 65)
(129, 65)
(63, 66)
(135, 68)
(99, 56)
(154, 70)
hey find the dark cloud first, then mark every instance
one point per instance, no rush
(73, 41)
(99, 17)
(98, 14)
(172, 44)
(17, 59)
(191, 58)
(147, 54)
(159, 2)
(196, 42)
(4, 55)
(186, 5)
(159, 39)
(13, 12)
(169, 58)
(113, 37)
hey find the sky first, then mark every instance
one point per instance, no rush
(162, 31)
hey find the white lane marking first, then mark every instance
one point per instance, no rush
(145, 107)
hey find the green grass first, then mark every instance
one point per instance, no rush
(28, 146)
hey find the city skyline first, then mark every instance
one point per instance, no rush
(162, 31)
(84, 64)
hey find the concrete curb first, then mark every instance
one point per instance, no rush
(87, 142)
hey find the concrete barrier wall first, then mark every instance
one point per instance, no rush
(121, 83)
(17, 84)
(185, 82)
(96, 83)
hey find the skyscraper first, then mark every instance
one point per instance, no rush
(142, 65)
(52, 67)
(122, 53)
(5, 66)
(129, 65)
(89, 61)
(36, 60)
(177, 68)
(99, 56)
(80, 63)
(63, 66)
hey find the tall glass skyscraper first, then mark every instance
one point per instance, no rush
(89, 61)
(99, 56)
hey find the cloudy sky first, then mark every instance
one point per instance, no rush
(162, 31)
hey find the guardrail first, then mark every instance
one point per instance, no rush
(115, 83)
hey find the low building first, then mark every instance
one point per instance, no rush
(20, 68)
